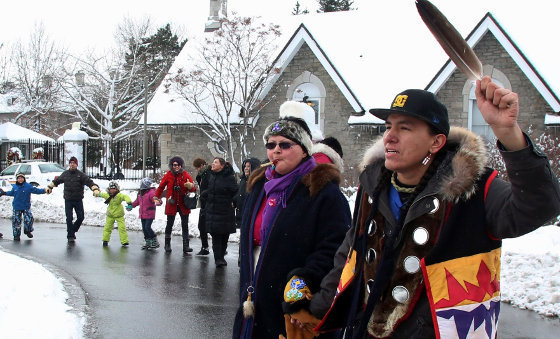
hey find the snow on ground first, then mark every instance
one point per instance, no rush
(31, 310)
(530, 278)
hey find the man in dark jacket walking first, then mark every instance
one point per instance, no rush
(74, 181)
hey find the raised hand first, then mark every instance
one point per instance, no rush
(500, 109)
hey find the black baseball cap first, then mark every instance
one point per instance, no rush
(419, 104)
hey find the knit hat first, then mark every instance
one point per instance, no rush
(419, 104)
(19, 174)
(113, 184)
(333, 143)
(146, 183)
(291, 125)
(74, 159)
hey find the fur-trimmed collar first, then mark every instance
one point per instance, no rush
(314, 180)
(331, 153)
(466, 160)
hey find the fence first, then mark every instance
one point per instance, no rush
(50, 151)
(120, 159)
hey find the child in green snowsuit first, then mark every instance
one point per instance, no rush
(115, 212)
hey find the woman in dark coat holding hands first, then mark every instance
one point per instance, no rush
(294, 219)
(220, 214)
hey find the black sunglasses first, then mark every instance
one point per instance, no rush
(176, 165)
(283, 145)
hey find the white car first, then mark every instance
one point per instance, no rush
(37, 173)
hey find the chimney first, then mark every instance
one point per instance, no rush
(218, 10)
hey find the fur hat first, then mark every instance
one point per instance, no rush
(146, 183)
(74, 159)
(176, 159)
(292, 125)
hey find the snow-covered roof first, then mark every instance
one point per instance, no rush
(383, 47)
(12, 132)
(489, 24)
(9, 103)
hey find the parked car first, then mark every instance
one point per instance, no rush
(37, 173)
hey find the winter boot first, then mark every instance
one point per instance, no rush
(186, 248)
(105, 243)
(154, 243)
(167, 245)
(203, 251)
(147, 245)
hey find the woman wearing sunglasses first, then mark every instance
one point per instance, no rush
(177, 182)
(294, 218)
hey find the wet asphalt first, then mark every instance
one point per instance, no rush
(130, 292)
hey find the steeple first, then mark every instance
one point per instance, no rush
(218, 10)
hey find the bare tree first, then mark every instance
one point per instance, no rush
(37, 64)
(222, 82)
(110, 100)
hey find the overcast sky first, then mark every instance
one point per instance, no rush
(79, 24)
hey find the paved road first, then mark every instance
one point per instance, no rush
(128, 292)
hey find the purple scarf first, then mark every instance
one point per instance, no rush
(275, 189)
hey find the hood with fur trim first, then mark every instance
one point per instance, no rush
(314, 180)
(331, 153)
(459, 171)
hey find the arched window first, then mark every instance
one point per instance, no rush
(308, 88)
(476, 122)
(310, 94)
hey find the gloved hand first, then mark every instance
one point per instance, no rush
(95, 190)
(300, 329)
(301, 325)
(129, 207)
(49, 188)
(189, 185)
(2, 192)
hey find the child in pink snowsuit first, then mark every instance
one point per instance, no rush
(145, 200)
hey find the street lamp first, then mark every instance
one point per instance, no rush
(145, 143)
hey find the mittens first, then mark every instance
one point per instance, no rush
(129, 207)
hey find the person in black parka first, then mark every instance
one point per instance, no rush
(249, 165)
(203, 172)
(294, 218)
(220, 214)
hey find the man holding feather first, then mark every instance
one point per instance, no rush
(422, 258)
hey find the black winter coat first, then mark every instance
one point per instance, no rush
(202, 181)
(74, 181)
(218, 196)
(241, 194)
(303, 239)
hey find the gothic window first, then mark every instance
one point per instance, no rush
(309, 94)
